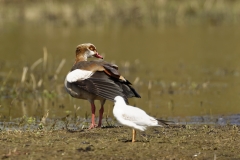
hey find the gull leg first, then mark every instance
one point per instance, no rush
(100, 116)
(134, 135)
(93, 125)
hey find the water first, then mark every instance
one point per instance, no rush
(178, 71)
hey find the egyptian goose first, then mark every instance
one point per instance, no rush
(96, 80)
(134, 117)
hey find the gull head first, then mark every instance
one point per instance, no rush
(119, 99)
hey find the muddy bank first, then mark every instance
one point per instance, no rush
(175, 142)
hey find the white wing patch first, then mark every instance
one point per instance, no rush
(78, 75)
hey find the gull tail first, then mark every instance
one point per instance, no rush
(165, 122)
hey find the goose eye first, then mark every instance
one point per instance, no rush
(91, 48)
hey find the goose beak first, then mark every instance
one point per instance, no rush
(97, 55)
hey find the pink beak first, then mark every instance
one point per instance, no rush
(97, 55)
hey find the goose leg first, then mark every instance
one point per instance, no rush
(101, 112)
(93, 125)
(134, 135)
(100, 116)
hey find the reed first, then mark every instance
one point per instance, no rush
(135, 82)
(45, 57)
(36, 63)
(75, 113)
(59, 68)
(24, 108)
(44, 118)
(27, 91)
(6, 79)
(25, 69)
(34, 81)
(149, 90)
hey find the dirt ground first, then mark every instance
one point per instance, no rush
(174, 142)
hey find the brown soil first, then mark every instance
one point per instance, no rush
(175, 142)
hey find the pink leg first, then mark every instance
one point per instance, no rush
(93, 125)
(100, 116)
